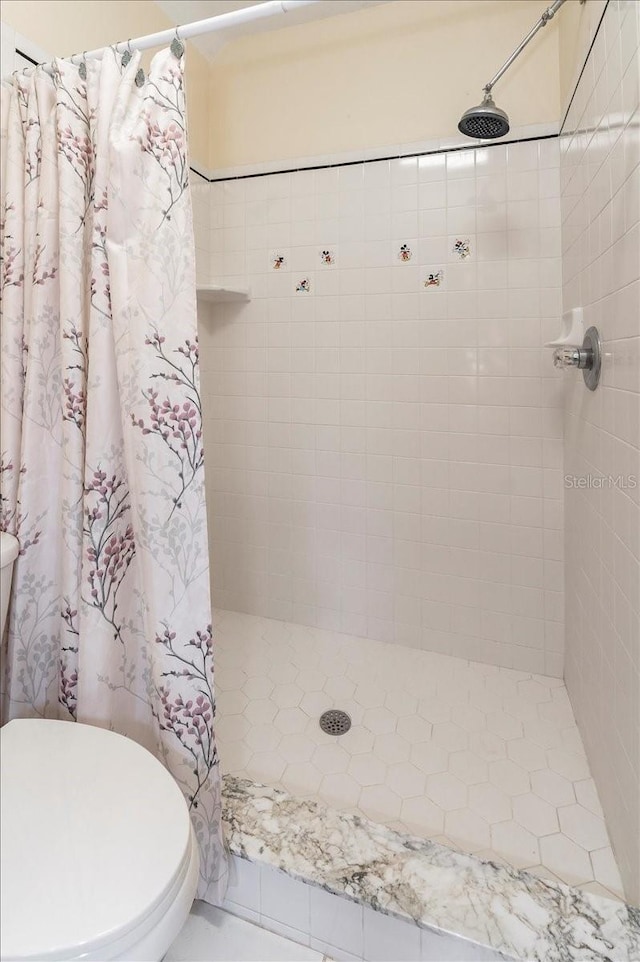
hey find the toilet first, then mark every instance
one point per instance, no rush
(98, 856)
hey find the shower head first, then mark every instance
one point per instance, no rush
(484, 122)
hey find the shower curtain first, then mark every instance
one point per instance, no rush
(102, 463)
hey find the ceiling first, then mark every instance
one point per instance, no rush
(210, 44)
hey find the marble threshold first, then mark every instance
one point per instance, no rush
(508, 910)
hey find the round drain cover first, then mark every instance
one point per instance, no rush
(335, 722)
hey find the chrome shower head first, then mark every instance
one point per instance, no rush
(484, 122)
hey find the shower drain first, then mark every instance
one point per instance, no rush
(335, 722)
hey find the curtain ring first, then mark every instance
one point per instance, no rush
(139, 81)
(127, 55)
(177, 46)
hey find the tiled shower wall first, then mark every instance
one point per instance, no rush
(201, 205)
(384, 452)
(600, 153)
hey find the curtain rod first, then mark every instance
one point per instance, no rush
(222, 22)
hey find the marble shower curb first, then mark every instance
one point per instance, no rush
(509, 911)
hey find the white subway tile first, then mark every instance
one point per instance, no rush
(284, 900)
(338, 411)
(337, 922)
(244, 884)
(387, 939)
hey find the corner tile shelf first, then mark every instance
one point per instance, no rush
(216, 294)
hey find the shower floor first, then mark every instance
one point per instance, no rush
(485, 760)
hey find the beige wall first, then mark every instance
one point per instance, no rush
(398, 73)
(63, 28)
(374, 78)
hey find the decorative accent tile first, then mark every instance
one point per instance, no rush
(435, 278)
(327, 257)
(279, 260)
(405, 254)
(303, 286)
(462, 247)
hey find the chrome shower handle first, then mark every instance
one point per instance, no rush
(587, 358)
(564, 357)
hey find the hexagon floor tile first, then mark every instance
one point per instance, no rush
(487, 760)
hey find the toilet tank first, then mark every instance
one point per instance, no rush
(8, 553)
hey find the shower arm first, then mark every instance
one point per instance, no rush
(548, 15)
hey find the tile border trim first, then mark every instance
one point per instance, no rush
(415, 150)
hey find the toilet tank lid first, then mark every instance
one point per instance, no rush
(95, 832)
(9, 547)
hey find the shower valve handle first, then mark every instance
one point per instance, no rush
(587, 357)
(580, 357)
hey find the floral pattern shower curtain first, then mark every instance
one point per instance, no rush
(102, 463)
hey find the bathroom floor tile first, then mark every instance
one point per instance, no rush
(211, 935)
(488, 760)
